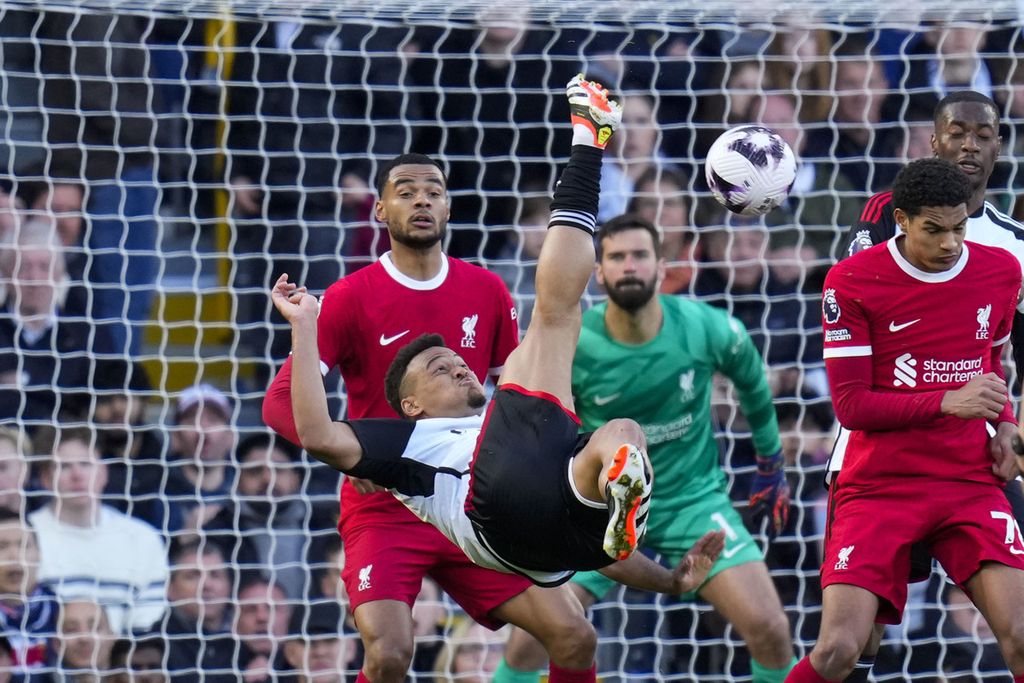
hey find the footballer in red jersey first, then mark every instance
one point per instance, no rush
(914, 331)
(966, 133)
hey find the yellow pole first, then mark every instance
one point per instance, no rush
(221, 35)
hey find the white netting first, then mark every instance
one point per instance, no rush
(187, 152)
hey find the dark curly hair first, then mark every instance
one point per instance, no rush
(396, 371)
(929, 182)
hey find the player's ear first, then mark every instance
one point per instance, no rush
(411, 407)
(599, 273)
(935, 151)
(661, 272)
(378, 211)
(902, 219)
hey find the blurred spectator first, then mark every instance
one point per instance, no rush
(201, 473)
(329, 559)
(83, 643)
(429, 618)
(102, 136)
(270, 526)
(733, 275)
(199, 645)
(796, 265)
(517, 262)
(315, 649)
(632, 152)
(62, 202)
(131, 448)
(818, 200)
(859, 141)
(798, 62)
(489, 93)
(11, 215)
(948, 57)
(89, 550)
(471, 654)
(261, 621)
(48, 363)
(660, 196)
(297, 145)
(28, 609)
(1011, 176)
(919, 121)
(15, 453)
(139, 660)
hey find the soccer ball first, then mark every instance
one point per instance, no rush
(750, 170)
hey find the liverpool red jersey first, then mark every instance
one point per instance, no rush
(366, 317)
(896, 339)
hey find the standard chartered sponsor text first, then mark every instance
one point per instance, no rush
(950, 371)
(667, 431)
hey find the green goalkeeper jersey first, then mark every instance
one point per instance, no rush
(665, 385)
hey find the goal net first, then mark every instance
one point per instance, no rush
(162, 162)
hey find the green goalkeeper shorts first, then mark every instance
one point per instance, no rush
(673, 539)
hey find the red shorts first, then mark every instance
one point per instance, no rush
(388, 562)
(870, 534)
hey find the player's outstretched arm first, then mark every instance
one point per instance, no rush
(641, 572)
(332, 443)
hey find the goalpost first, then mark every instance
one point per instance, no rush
(212, 145)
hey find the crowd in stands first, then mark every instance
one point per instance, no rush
(155, 536)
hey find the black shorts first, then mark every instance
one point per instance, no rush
(520, 498)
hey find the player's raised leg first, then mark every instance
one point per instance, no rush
(543, 362)
(613, 467)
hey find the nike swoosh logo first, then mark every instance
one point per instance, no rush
(893, 327)
(384, 341)
(602, 400)
(726, 554)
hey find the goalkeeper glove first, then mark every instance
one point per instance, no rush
(769, 494)
(594, 116)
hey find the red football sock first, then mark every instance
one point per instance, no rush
(803, 672)
(1019, 678)
(361, 678)
(560, 675)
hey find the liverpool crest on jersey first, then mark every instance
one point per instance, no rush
(469, 331)
(983, 316)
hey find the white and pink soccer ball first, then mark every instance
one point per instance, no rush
(750, 170)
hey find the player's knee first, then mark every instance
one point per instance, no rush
(1012, 643)
(387, 660)
(573, 643)
(769, 639)
(836, 654)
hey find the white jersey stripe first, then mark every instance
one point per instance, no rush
(847, 352)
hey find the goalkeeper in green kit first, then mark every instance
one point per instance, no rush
(651, 358)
